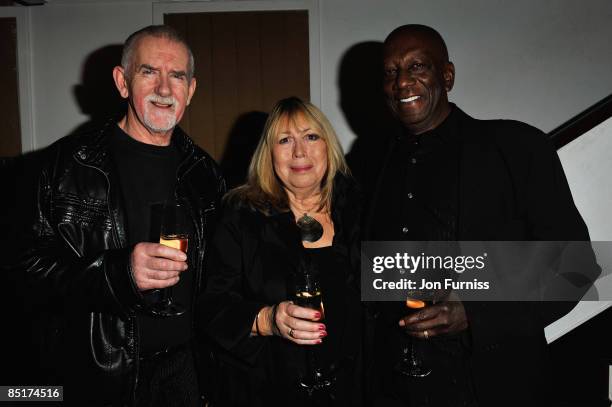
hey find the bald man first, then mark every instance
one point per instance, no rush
(449, 177)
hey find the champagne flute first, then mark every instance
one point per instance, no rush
(174, 233)
(308, 294)
(412, 363)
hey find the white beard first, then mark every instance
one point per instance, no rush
(158, 120)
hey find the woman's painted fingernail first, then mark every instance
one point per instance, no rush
(323, 334)
(321, 327)
(319, 341)
(317, 315)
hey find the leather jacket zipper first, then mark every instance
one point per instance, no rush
(200, 239)
(117, 244)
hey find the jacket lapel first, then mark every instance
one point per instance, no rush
(96, 154)
(486, 191)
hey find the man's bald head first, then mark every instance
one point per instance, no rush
(428, 35)
(417, 77)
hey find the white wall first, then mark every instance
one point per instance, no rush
(586, 162)
(62, 37)
(540, 62)
(536, 61)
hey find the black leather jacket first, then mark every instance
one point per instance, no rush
(78, 267)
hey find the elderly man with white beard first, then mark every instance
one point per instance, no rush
(94, 264)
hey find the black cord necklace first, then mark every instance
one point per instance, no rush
(310, 228)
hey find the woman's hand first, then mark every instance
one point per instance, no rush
(292, 322)
(298, 324)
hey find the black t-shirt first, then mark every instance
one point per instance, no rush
(147, 177)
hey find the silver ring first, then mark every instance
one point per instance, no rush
(291, 333)
(426, 334)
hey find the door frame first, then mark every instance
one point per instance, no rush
(24, 74)
(311, 6)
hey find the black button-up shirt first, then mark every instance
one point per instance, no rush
(418, 200)
(419, 188)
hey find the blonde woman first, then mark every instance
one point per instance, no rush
(299, 202)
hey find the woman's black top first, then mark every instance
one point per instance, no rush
(252, 263)
(336, 356)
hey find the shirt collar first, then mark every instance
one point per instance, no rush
(440, 135)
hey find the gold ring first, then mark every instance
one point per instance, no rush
(291, 333)
(426, 334)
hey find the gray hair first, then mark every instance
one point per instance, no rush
(156, 31)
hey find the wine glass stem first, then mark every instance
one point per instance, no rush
(312, 363)
(413, 358)
(407, 353)
(167, 295)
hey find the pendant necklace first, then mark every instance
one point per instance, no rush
(310, 228)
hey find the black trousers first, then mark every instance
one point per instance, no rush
(168, 379)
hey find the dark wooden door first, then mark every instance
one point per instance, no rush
(10, 136)
(245, 62)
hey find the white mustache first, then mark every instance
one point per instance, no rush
(167, 100)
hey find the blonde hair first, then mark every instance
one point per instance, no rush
(263, 190)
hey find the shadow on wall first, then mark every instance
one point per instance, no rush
(98, 98)
(96, 95)
(364, 108)
(17, 180)
(241, 144)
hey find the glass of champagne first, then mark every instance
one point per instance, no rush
(174, 233)
(308, 294)
(411, 364)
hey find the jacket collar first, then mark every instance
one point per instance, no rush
(94, 148)
(190, 154)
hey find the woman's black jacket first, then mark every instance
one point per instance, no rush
(252, 258)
